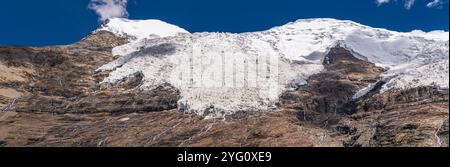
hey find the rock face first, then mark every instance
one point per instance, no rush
(331, 91)
(414, 117)
(65, 81)
(53, 96)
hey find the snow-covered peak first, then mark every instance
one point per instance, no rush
(304, 38)
(139, 29)
(348, 25)
(319, 23)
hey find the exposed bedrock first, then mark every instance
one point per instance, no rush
(330, 93)
(63, 80)
(413, 117)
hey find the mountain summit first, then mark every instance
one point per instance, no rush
(139, 29)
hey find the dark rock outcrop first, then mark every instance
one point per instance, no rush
(329, 93)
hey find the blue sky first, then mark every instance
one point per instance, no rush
(52, 22)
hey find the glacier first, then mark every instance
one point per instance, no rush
(222, 73)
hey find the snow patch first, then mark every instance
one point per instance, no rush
(435, 74)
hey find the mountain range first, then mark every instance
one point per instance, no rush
(312, 82)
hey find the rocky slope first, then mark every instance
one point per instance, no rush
(117, 87)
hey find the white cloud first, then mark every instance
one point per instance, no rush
(434, 3)
(106, 9)
(408, 4)
(381, 2)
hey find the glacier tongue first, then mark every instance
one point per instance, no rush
(222, 73)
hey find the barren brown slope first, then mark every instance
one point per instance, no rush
(51, 96)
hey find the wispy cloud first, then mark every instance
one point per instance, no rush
(435, 3)
(381, 2)
(106, 9)
(408, 4)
